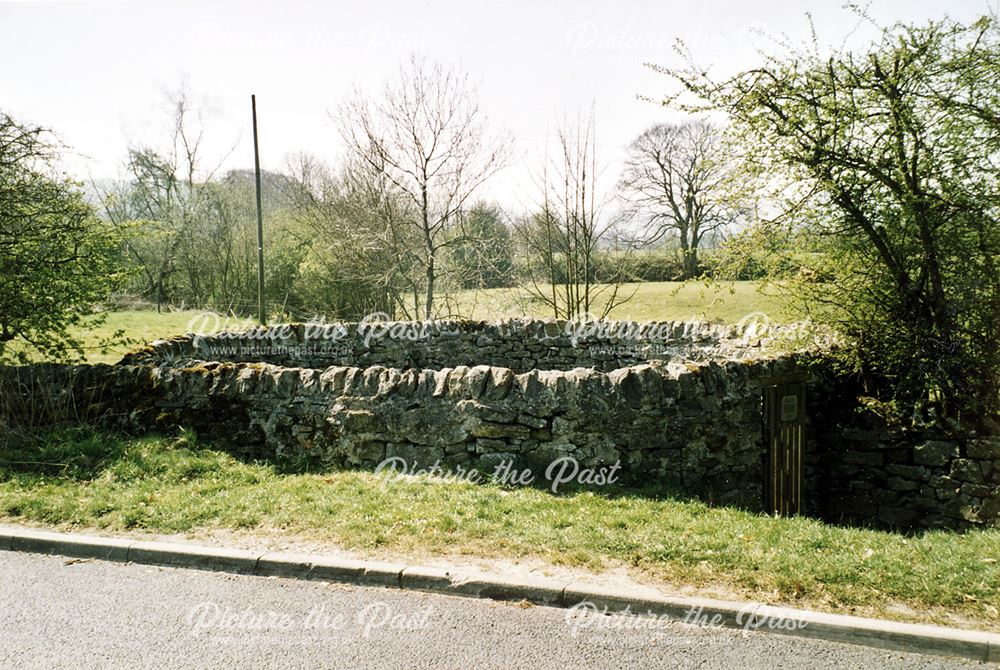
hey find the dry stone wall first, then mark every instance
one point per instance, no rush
(520, 345)
(690, 428)
(890, 478)
(675, 406)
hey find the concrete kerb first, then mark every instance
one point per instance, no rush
(915, 638)
(6, 538)
(190, 556)
(426, 579)
(496, 587)
(892, 635)
(750, 616)
(67, 544)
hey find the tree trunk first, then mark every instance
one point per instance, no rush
(685, 253)
(429, 302)
(691, 264)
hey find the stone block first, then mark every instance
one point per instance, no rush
(935, 453)
(976, 490)
(862, 457)
(885, 497)
(897, 455)
(912, 472)
(415, 455)
(498, 430)
(984, 449)
(901, 485)
(966, 470)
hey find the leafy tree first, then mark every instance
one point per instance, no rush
(485, 256)
(360, 256)
(194, 239)
(891, 158)
(218, 260)
(678, 182)
(57, 259)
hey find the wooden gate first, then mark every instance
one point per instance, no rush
(784, 435)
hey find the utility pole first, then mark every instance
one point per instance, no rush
(260, 219)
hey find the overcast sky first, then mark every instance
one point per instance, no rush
(95, 71)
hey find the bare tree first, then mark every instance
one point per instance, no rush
(677, 182)
(162, 191)
(567, 241)
(425, 139)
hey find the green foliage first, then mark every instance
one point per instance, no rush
(740, 258)
(887, 163)
(357, 261)
(763, 252)
(57, 259)
(483, 257)
(194, 243)
(654, 265)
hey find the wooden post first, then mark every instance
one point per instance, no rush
(260, 219)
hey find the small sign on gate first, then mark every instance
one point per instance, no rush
(789, 407)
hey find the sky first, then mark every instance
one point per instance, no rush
(96, 72)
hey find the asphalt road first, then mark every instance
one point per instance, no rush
(57, 612)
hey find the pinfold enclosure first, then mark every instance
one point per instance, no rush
(696, 409)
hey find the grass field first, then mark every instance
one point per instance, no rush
(726, 302)
(82, 479)
(667, 301)
(140, 327)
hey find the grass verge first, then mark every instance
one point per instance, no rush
(84, 479)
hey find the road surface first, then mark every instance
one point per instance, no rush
(66, 613)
